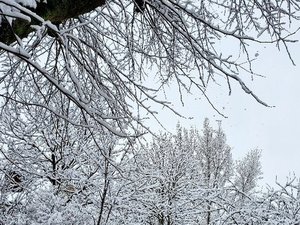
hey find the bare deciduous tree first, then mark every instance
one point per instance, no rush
(248, 171)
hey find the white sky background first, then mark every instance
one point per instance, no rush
(250, 125)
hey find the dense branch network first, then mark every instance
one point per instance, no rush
(102, 55)
(77, 77)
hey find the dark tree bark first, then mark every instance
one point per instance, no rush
(56, 11)
(139, 5)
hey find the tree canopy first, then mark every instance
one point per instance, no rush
(111, 60)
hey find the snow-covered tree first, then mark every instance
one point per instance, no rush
(215, 156)
(169, 184)
(165, 184)
(56, 172)
(278, 205)
(248, 171)
(67, 174)
(76, 77)
(215, 159)
(99, 52)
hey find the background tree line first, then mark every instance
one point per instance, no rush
(188, 178)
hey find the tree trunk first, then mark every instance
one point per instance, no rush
(56, 11)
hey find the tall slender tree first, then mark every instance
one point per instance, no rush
(215, 160)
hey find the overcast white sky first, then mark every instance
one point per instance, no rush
(276, 131)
